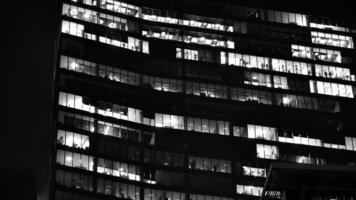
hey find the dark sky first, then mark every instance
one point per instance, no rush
(27, 59)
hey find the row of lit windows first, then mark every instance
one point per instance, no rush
(128, 171)
(71, 139)
(119, 7)
(206, 90)
(254, 171)
(94, 17)
(254, 131)
(163, 84)
(169, 121)
(287, 18)
(328, 27)
(124, 190)
(272, 152)
(334, 89)
(131, 43)
(333, 72)
(76, 160)
(122, 169)
(285, 100)
(118, 169)
(90, 68)
(169, 159)
(105, 128)
(280, 65)
(170, 17)
(187, 54)
(135, 115)
(190, 39)
(259, 79)
(332, 39)
(249, 190)
(271, 133)
(131, 172)
(203, 89)
(316, 53)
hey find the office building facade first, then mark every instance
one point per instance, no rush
(156, 101)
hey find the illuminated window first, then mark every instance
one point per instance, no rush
(316, 53)
(75, 160)
(169, 121)
(333, 72)
(119, 169)
(332, 39)
(208, 126)
(72, 139)
(262, 132)
(333, 89)
(253, 171)
(72, 28)
(287, 18)
(350, 143)
(267, 151)
(249, 190)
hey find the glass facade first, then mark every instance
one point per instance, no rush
(161, 104)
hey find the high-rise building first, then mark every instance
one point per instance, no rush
(163, 101)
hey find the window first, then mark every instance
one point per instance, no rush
(206, 90)
(301, 51)
(253, 171)
(119, 75)
(333, 72)
(163, 84)
(74, 180)
(207, 197)
(323, 23)
(75, 101)
(71, 139)
(332, 39)
(152, 194)
(258, 79)
(118, 189)
(333, 89)
(316, 53)
(267, 151)
(95, 17)
(262, 132)
(165, 16)
(163, 158)
(189, 54)
(119, 112)
(78, 65)
(287, 18)
(350, 143)
(72, 28)
(209, 164)
(249, 190)
(71, 159)
(76, 121)
(119, 169)
(169, 121)
(280, 82)
(122, 132)
(207, 126)
(120, 7)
